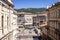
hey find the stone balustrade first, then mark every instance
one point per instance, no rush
(8, 36)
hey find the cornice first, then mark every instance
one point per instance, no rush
(8, 3)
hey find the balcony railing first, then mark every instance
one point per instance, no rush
(8, 36)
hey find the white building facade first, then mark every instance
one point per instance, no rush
(28, 19)
(6, 19)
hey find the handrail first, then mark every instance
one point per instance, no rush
(6, 35)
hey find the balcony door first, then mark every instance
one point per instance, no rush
(59, 29)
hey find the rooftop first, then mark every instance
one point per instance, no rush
(23, 13)
(54, 5)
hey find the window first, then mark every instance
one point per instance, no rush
(19, 20)
(7, 21)
(59, 36)
(41, 22)
(2, 24)
(30, 32)
(59, 26)
(21, 15)
(59, 13)
(0, 7)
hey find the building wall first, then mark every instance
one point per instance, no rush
(53, 20)
(5, 19)
(28, 19)
(39, 19)
(20, 19)
(10, 1)
(14, 21)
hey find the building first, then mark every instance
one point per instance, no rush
(53, 29)
(36, 19)
(39, 19)
(26, 28)
(14, 23)
(14, 20)
(24, 18)
(43, 26)
(6, 24)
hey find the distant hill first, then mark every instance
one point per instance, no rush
(31, 10)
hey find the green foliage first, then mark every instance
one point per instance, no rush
(31, 10)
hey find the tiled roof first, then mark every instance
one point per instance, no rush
(34, 15)
(23, 13)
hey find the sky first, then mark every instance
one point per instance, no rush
(32, 3)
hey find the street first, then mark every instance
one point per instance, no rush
(26, 34)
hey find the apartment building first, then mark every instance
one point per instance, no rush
(43, 26)
(39, 19)
(24, 18)
(6, 11)
(53, 30)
